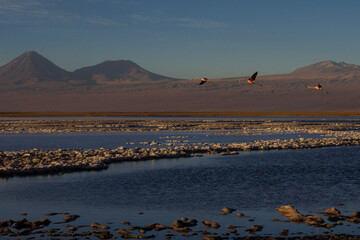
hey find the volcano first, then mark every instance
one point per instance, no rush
(32, 69)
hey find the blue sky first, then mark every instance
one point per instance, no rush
(184, 38)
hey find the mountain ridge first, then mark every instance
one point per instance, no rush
(31, 69)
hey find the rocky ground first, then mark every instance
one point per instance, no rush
(63, 226)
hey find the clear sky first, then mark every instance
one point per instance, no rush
(184, 38)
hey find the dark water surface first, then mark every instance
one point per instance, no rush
(254, 183)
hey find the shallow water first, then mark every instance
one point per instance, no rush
(254, 183)
(130, 140)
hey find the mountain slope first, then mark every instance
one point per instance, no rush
(30, 69)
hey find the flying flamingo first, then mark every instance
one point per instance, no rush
(251, 80)
(317, 87)
(202, 80)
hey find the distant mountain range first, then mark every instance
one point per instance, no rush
(31, 82)
(33, 70)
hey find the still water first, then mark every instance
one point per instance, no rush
(130, 140)
(254, 183)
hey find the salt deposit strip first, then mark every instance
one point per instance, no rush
(35, 161)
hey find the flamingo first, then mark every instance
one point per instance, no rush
(317, 87)
(251, 80)
(202, 80)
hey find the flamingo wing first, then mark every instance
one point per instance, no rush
(253, 76)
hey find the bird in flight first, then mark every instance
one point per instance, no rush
(317, 87)
(251, 80)
(202, 80)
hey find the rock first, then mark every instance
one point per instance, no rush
(138, 236)
(284, 232)
(212, 238)
(227, 210)
(98, 226)
(279, 220)
(181, 223)
(7, 223)
(354, 217)
(181, 229)
(255, 228)
(240, 215)
(152, 225)
(230, 227)
(160, 227)
(41, 223)
(23, 223)
(233, 230)
(51, 214)
(334, 218)
(291, 213)
(211, 224)
(71, 229)
(191, 223)
(5, 231)
(333, 212)
(103, 234)
(133, 228)
(123, 232)
(71, 218)
(313, 220)
(178, 224)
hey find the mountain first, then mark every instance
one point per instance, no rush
(30, 69)
(327, 68)
(115, 72)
